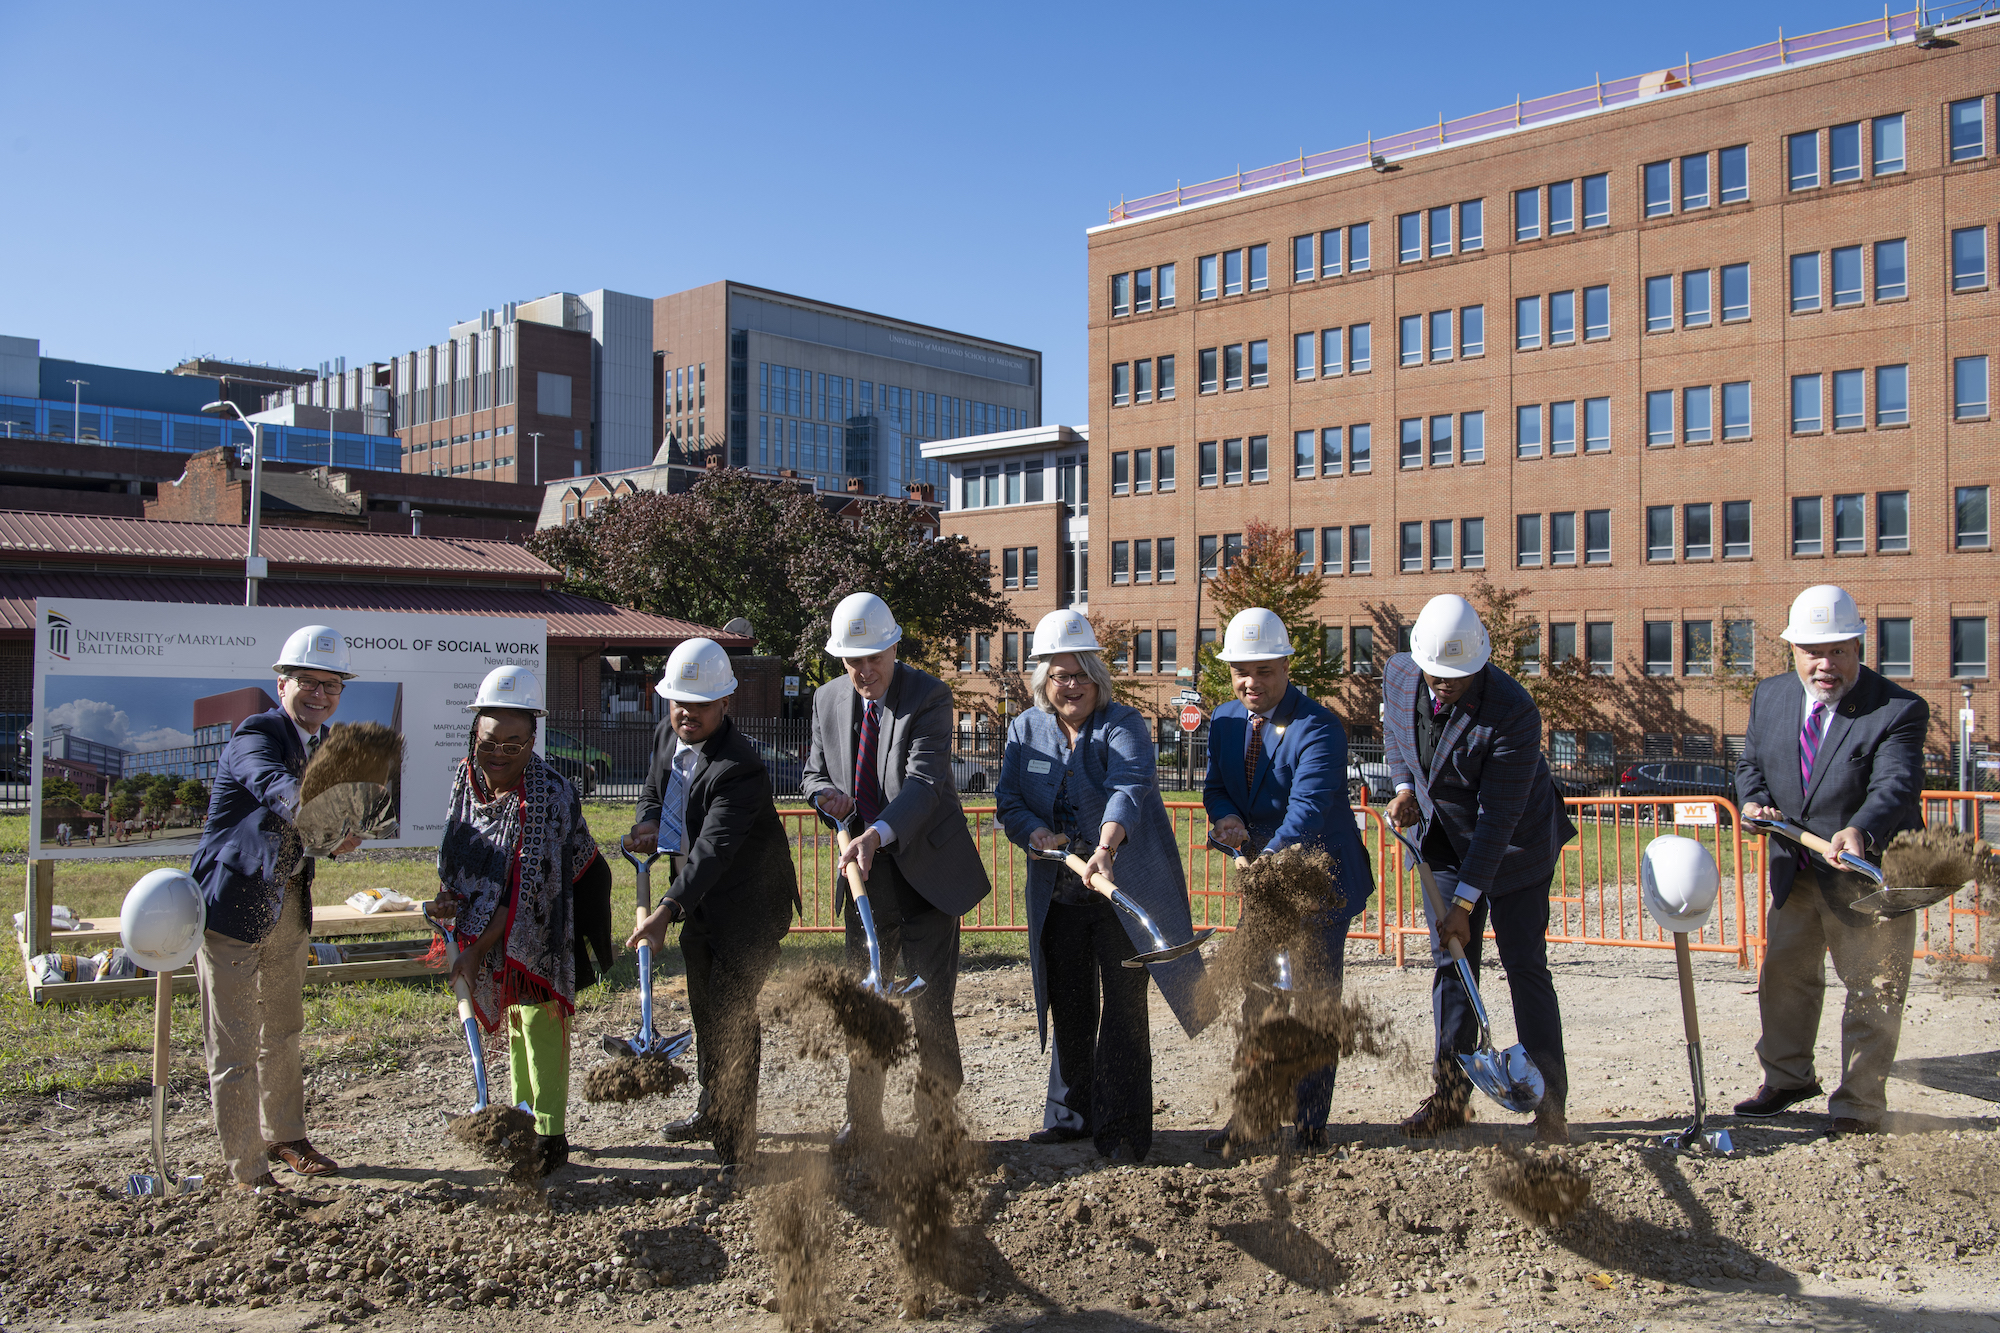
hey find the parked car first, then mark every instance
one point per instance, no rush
(970, 774)
(1679, 777)
(561, 745)
(787, 770)
(1368, 782)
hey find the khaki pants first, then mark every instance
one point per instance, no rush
(252, 1011)
(1872, 961)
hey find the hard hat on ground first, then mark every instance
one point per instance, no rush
(862, 626)
(1064, 632)
(1255, 635)
(1678, 881)
(510, 686)
(1823, 613)
(698, 673)
(316, 648)
(162, 920)
(1449, 639)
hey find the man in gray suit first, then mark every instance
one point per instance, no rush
(881, 747)
(1839, 750)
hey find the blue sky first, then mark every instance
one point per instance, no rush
(291, 183)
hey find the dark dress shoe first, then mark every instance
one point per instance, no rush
(699, 1125)
(1219, 1141)
(1057, 1134)
(1121, 1153)
(1771, 1101)
(1846, 1127)
(555, 1152)
(1438, 1114)
(1311, 1140)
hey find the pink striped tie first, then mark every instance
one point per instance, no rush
(1809, 736)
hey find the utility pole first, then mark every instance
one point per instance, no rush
(76, 428)
(1966, 772)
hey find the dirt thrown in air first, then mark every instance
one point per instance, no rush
(627, 1078)
(503, 1134)
(830, 1010)
(795, 1233)
(1281, 891)
(921, 1184)
(1935, 857)
(1293, 1037)
(1543, 1190)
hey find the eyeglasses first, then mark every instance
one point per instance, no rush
(330, 688)
(508, 750)
(1062, 680)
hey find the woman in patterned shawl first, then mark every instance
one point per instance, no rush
(515, 846)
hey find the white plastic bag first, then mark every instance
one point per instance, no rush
(370, 901)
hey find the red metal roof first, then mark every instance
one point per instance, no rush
(573, 621)
(102, 539)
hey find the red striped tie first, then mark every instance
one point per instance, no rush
(1809, 737)
(867, 792)
(1252, 752)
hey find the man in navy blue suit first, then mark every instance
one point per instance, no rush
(257, 881)
(1277, 777)
(1463, 741)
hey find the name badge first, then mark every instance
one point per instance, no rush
(1038, 765)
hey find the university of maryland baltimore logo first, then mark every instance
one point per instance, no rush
(59, 635)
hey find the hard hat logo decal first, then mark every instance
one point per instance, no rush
(857, 628)
(1820, 615)
(506, 685)
(1075, 625)
(690, 671)
(1453, 648)
(1250, 633)
(323, 643)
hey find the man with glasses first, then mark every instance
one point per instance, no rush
(257, 880)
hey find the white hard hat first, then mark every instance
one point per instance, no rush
(1823, 613)
(510, 686)
(162, 920)
(1678, 882)
(1449, 638)
(1255, 635)
(698, 672)
(318, 647)
(862, 626)
(1064, 632)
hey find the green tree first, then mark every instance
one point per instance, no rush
(61, 790)
(124, 804)
(192, 795)
(1267, 574)
(94, 802)
(1569, 695)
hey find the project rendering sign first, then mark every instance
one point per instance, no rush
(135, 702)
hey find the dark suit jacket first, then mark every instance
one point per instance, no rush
(736, 867)
(933, 847)
(1300, 795)
(1488, 788)
(1868, 774)
(250, 813)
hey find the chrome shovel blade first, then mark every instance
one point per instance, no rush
(1509, 1077)
(675, 1046)
(611, 1045)
(1167, 955)
(141, 1184)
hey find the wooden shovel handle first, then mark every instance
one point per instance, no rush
(855, 884)
(1098, 883)
(1429, 885)
(1684, 963)
(163, 1025)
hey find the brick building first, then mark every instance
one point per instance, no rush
(1661, 353)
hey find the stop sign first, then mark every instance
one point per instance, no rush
(1191, 717)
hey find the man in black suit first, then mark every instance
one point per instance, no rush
(708, 801)
(881, 750)
(1839, 750)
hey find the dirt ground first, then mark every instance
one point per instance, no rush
(417, 1233)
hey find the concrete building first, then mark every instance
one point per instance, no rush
(1661, 352)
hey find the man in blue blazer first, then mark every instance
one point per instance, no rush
(1463, 742)
(258, 884)
(1277, 777)
(1835, 747)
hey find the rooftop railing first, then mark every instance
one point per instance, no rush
(1524, 113)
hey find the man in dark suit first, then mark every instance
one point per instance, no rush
(708, 801)
(258, 880)
(881, 749)
(1839, 750)
(1277, 777)
(1463, 742)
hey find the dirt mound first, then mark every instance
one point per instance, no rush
(627, 1078)
(856, 1015)
(503, 1134)
(795, 1235)
(1540, 1189)
(1291, 1040)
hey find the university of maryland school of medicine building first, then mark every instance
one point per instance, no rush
(1662, 353)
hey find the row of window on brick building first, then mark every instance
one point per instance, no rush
(1814, 159)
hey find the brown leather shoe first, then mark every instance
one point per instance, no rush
(1440, 1113)
(1769, 1101)
(1846, 1127)
(303, 1158)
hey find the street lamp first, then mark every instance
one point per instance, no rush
(536, 436)
(76, 427)
(255, 566)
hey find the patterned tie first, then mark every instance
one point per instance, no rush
(1809, 737)
(1253, 752)
(867, 792)
(673, 809)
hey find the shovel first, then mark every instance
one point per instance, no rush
(159, 1182)
(646, 1039)
(1281, 961)
(466, 1019)
(1509, 1077)
(1697, 1131)
(858, 887)
(1161, 952)
(1886, 901)
(1236, 854)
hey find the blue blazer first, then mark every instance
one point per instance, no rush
(250, 813)
(1300, 793)
(1488, 784)
(1112, 779)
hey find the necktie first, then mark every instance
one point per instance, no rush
(1253, 752)
(1809, 736)
(673, 809)
(867, 792)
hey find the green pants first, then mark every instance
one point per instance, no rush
(538, 1062)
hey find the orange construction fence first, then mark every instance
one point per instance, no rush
(1593, 900)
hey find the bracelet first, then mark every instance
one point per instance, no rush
(1106, 847)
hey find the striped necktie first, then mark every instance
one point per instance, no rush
(673, 808)
(1809, 738)
(1253, 752)
(867, 791)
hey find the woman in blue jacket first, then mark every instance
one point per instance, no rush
(1079, 774)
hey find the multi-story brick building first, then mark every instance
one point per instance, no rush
(1661, 353)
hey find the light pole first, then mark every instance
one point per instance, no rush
(76, 427)
(536, 436)
(255, 566)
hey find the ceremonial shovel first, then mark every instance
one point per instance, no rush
(1697, 1131)
(1281, 960)
(466, 1019)
(1509, 1077)
(858, 887)
(1887, 901)
(1161, 952)
(160, 1182)
(646, 1040)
